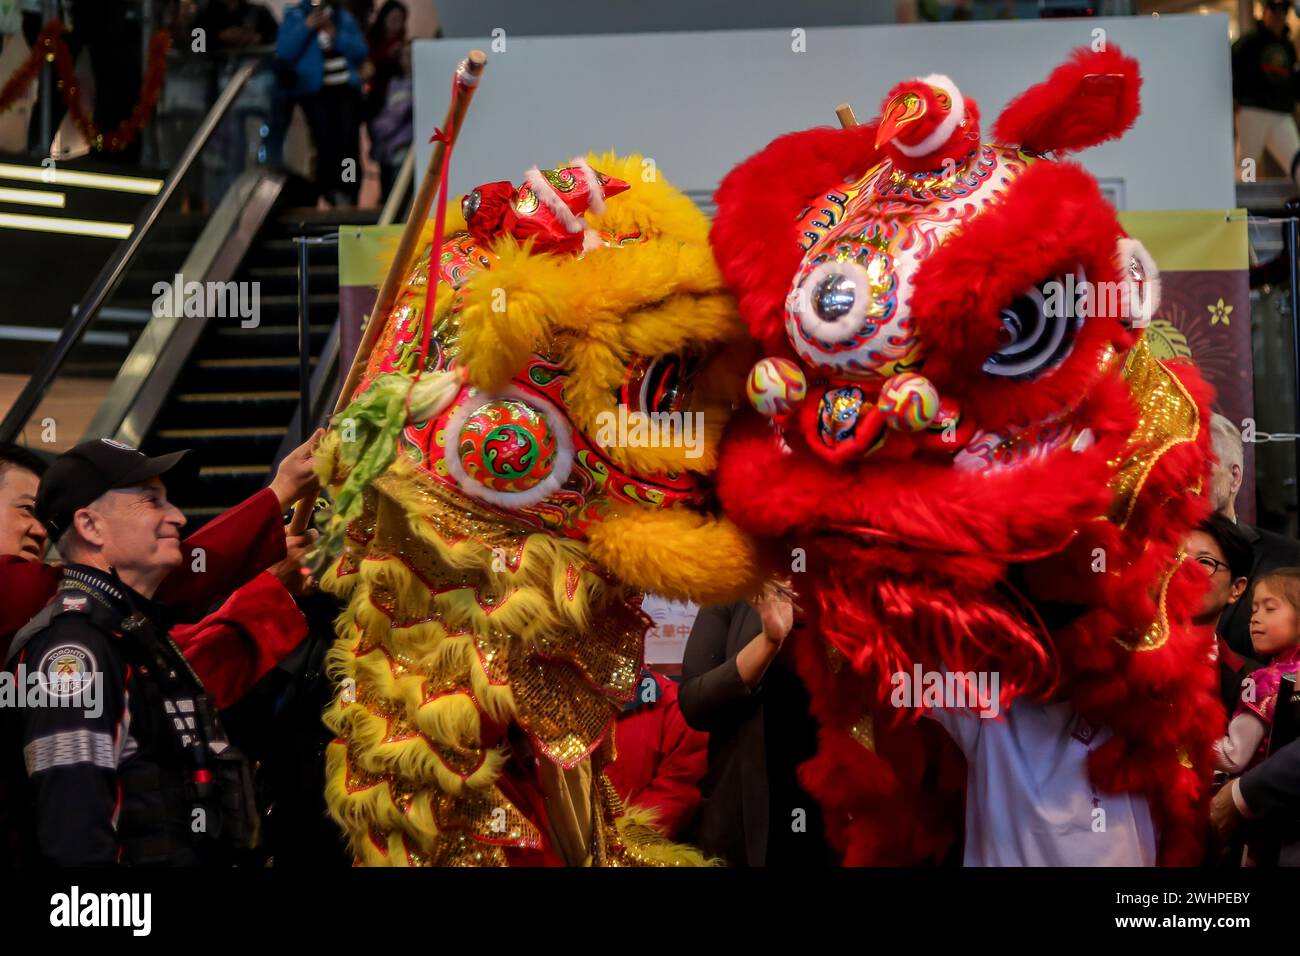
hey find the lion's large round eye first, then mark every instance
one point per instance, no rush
(831, 303)
(661, 384)
(1038, 328)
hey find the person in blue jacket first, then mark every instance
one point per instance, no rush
(322, 49)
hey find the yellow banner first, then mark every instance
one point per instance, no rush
(1209, 240)
(364, 252)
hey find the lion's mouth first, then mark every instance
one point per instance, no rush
(1002, 449)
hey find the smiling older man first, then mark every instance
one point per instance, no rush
(124, 759)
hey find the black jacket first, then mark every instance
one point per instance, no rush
(1272, 792)
(1264, 71)
(750, 788)
(1271, 551)
(135, 770)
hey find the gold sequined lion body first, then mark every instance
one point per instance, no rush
(493, 566)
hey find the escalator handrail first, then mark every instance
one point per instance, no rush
(109, 277)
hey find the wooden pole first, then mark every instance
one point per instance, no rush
(467, 77)
(845, 112)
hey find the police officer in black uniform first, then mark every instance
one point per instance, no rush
(123, 757)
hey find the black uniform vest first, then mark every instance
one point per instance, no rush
(187, 795)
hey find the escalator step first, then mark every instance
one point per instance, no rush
(258, 361)
(271, 396)
(233, 471)
(180, 434)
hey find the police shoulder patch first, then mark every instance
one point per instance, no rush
(67, 669)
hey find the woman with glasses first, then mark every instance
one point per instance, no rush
(1224, 555)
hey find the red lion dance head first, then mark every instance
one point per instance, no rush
(977, 461)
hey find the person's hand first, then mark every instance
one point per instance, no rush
(317, 18)
(295, 476)
(775, 606)
(295, 577)
(367, 71)
(1224, 815)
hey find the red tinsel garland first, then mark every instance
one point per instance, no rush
(49, 46)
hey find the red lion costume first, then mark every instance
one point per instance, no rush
(978, 479)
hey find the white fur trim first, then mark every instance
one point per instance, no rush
(474, 400)
(1142, 307)
(945, 129)
(546, 193)
(597, 192)
(591, 240)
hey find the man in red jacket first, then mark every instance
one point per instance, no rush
(660, 758)
(227, 559)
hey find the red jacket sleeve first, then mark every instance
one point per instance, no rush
(234, 646)
(28, 587)
(226, 553)
(661, 760)
(683, 757)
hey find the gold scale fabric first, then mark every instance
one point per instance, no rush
(457, 625)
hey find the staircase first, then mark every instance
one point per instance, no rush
(236, 396)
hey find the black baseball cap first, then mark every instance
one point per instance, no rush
(80, 475)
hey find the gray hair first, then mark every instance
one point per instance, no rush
(1228, 449)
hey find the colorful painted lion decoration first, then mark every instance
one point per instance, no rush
(964, 434)
(495, 541)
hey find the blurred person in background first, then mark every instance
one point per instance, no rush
(236, 24)
(232, 28)
(389, 104)
(186, 96)
(1264, 88)
(1268, 550)
(323, 50)
(387, 36)
(110, 32)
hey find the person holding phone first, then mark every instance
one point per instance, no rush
(323, 44)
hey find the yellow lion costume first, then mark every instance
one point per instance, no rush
(497, 520)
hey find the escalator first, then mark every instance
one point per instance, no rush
(235, 397)
(130, 366)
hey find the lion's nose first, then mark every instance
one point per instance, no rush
(909, 402)
(846, 420)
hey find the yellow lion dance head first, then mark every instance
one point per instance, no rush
(504, 495)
